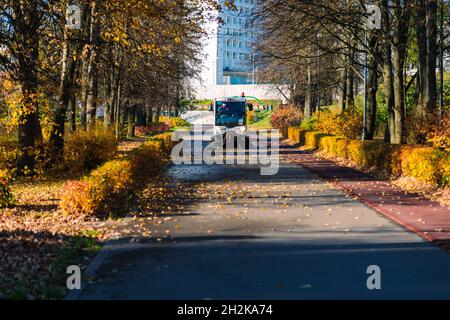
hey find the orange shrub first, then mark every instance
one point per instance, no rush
(347, 124)
(104, 193)
(439, 136)
(293, 134)
(327, 121)
(86, 150)
(166, 139)
(110, 187)
(148, 160)
(75, 198)
(286, 116)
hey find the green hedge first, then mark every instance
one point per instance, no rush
(423, 163)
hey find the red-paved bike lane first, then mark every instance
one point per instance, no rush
(423, 216)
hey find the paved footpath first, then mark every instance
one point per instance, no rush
(423, 216)
(289, 236)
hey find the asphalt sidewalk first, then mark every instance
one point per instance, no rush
(415, 212)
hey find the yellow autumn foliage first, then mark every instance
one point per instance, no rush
(427, 164)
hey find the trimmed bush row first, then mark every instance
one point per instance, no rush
(296, 135)
(157, 127)
(108, 190)
(174, 122)
(426, 164)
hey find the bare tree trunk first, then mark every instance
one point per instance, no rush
(110, 92)
(107, 112)
(420, 107)
(26, 24)
(399, 101)
(157, 113)
(92, 83)
(123, 112)
(372, 88)
(149, 115)
(402, 13)
(66, 88)
(350, 98)
(431, 47)
(118, 109)
(308, 103)
(131, 115)
(117, 122)
(84, 88)
(344, 89)
(389, 95)
(73, 112)
(85, 66)
(388, 82)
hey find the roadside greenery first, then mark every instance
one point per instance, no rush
(107, 192)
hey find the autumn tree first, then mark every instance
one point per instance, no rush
(136, 54)
(288, 38)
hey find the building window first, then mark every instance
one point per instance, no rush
(240, 44)
(234, 55)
